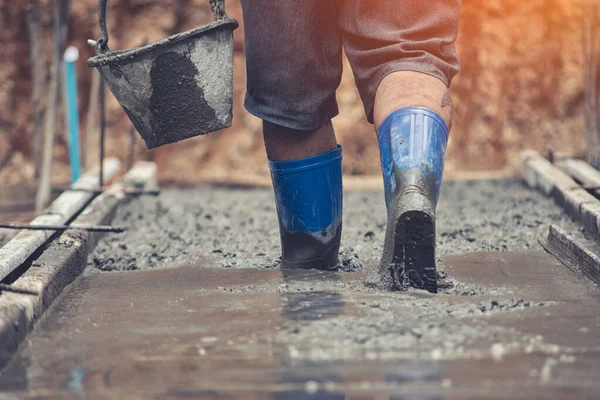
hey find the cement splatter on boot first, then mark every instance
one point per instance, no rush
(308, 196)
(409, 247)
(412, 143)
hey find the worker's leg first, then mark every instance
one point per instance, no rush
(285, 144)
(294, 65)
(412, 130)
(403, 89)
(403, 63)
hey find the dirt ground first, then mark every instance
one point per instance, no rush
(520, 86)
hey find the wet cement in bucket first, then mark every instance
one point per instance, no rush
(177, 103)
(176, 88)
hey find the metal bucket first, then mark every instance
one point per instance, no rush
(177, 88)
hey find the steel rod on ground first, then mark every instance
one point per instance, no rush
(60, 212)
(62, 261)
(128, 192)
(8, 288)
(113, 229)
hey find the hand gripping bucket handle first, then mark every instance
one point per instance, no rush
(176, 88)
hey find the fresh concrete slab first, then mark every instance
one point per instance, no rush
(198, 331)
(203, 311)
(238, 227)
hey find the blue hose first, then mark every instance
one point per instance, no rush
(71, 56)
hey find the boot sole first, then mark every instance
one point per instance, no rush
(413, 260)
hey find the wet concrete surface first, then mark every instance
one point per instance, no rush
(238, 228)
(202, 311)
(197, 331)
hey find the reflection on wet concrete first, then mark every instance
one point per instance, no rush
(312, 306)
(193, 332)
(312, 379)
(309, 306)
(16, 380)
(76, 382)
(430, 371)
(417, 371)
(297, 275)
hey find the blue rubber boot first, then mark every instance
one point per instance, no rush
(412, 143)
(308, 194)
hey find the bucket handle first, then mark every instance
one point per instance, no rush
(217, 7)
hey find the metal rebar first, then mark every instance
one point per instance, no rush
(594, 86)
(99, 228)
(8, 288)
(1, 27)
(60, 189)
(127, 192)
(142, 192)
(590, 77)
(102, 129)
(132, 140)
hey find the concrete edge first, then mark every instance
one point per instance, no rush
(580, 170)
(25, 243)
(578, 258)
(61, 262)
(540, 174)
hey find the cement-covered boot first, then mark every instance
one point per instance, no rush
(308, 193)
(412, 142)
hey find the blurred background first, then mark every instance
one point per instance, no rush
(521, 85)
